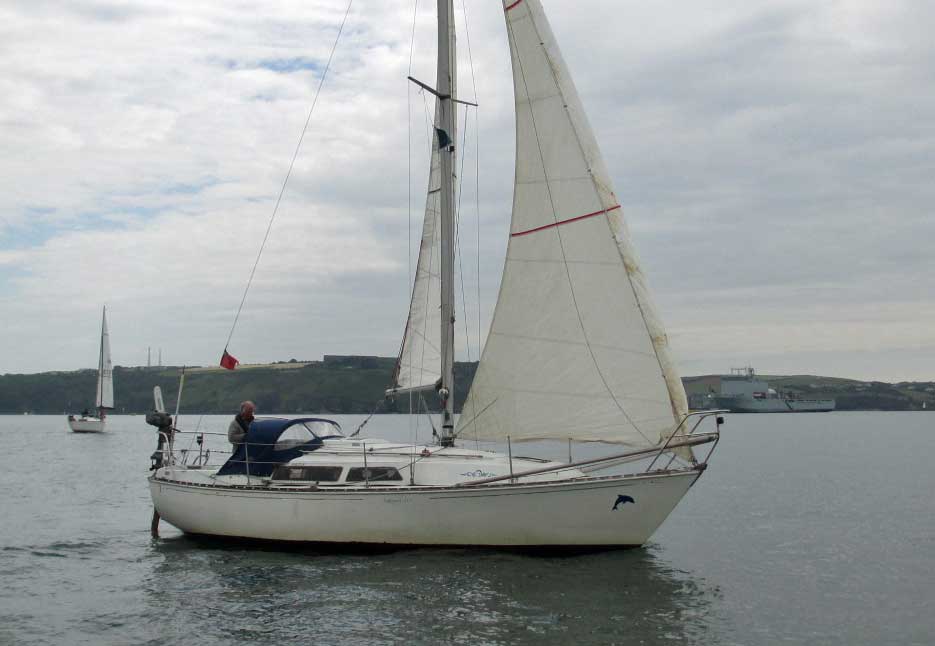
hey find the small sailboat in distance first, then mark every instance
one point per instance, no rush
(87, 422)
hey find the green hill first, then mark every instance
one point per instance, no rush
(335, 385)
(348, 384)
(850, 394)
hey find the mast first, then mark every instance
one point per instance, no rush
(447, 68)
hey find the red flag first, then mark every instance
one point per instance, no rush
(228, 361)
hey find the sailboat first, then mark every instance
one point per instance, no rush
(104, 399)
(575, 353)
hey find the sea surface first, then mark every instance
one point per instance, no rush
(806, 529)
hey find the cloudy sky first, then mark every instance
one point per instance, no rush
(774, 159)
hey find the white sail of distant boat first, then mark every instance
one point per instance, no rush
(576, 352)
(104, 397)
(105, 371)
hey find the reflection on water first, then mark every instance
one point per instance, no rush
(426, 596)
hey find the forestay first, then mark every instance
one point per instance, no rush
(105, 370)
(575, 349)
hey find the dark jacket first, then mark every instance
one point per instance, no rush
(237, 430)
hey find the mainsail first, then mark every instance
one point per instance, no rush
(419, 363)
(420, 356)
(105, 370)
(575, 349)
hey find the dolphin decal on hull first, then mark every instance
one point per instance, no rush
(621, 500)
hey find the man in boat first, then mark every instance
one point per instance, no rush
(237, 430)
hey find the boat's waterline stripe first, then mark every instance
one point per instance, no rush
(561, 222)
(510, 6)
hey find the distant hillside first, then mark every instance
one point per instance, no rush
(335, 385)
(341, 384)
(851, 394)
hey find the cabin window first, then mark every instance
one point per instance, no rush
(373, 474)
(307, 474)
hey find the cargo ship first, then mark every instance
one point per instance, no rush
(743, 392)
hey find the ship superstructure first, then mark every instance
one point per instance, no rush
(743, 391)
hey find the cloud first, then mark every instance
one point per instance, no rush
(772, 159)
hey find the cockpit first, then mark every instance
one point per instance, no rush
(273, 441)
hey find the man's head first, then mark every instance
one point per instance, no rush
(247, 409)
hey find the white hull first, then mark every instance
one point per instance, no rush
(559, 514)
(86, 424)
(775, 405)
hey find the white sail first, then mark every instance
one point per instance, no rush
(105, 370)
(420, 356)
(575, 349)
(419, 363)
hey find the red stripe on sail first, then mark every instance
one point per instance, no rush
(561, 222)
(510, 6)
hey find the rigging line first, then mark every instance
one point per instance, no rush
(467, 331)
(480, 350)
(460, 182)
(477, 222)
(428, 414)
(409, 275)
(467, 37)
(429, 119)
(412, 39)
(372, 413)
(295, 155)
(459, 176)
(558, 232)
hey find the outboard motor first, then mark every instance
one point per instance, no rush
(163, 422)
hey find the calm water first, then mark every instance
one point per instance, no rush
(807, 529)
